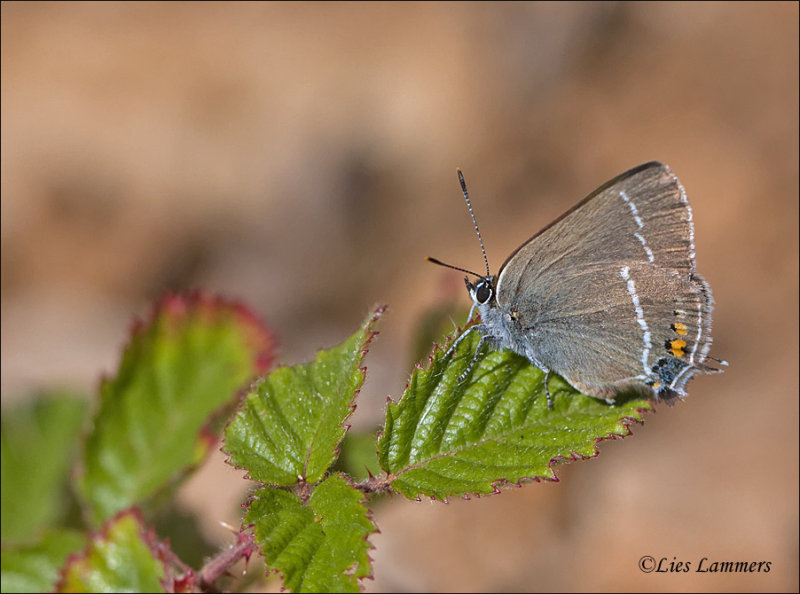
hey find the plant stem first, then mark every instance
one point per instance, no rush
(219, 565)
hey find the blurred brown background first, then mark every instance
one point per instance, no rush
(301, 157)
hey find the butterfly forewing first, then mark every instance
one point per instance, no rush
(620, 263)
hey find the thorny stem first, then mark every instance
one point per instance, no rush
(219, 565)
(376, 484)
(207, 577)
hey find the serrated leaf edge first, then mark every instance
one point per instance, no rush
(158, 549)
(304, 498)
(375, 485)
(180, 303)
(377, 312)
(383, 482)
(370, 333)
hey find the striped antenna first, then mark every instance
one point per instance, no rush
(474, 222)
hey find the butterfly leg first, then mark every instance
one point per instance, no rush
(484, 338)
(453, 346)
(459, 339)
(547, 390)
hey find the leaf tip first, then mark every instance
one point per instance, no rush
(159, 551)
(175, 307)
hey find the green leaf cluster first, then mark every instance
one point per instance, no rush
(467, 423)
(461, 427)
(157, 419)
(286, 434)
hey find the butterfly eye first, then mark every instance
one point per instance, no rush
(483, 292)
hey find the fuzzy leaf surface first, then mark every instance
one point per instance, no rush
(447, 438)
(291, 422)
(180, 368)
(40, 441)
(123, 557)
(34, 567)
(318, 546)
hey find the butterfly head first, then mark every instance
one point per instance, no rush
(482, 291)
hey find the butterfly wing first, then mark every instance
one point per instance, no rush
(609, 289)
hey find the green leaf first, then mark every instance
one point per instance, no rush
(123, 557)
(180, 367)
(35, 567)
(291, 422)
(318, 546)
(39, 445)
(447, 437)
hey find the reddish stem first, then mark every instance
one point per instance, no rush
(219, 565)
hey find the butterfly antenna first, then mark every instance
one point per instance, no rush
(440, 263)
(474, 222)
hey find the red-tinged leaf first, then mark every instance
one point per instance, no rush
(122, 557)
(182, 366)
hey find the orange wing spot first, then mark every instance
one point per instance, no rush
(676, 347)
(680, 328)
(656, 384)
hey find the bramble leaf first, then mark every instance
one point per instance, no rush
(155, 419)
(290, 423)
(318, 546)
(123, 557)
(448, 438)
(39, 446)
(34, 567)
